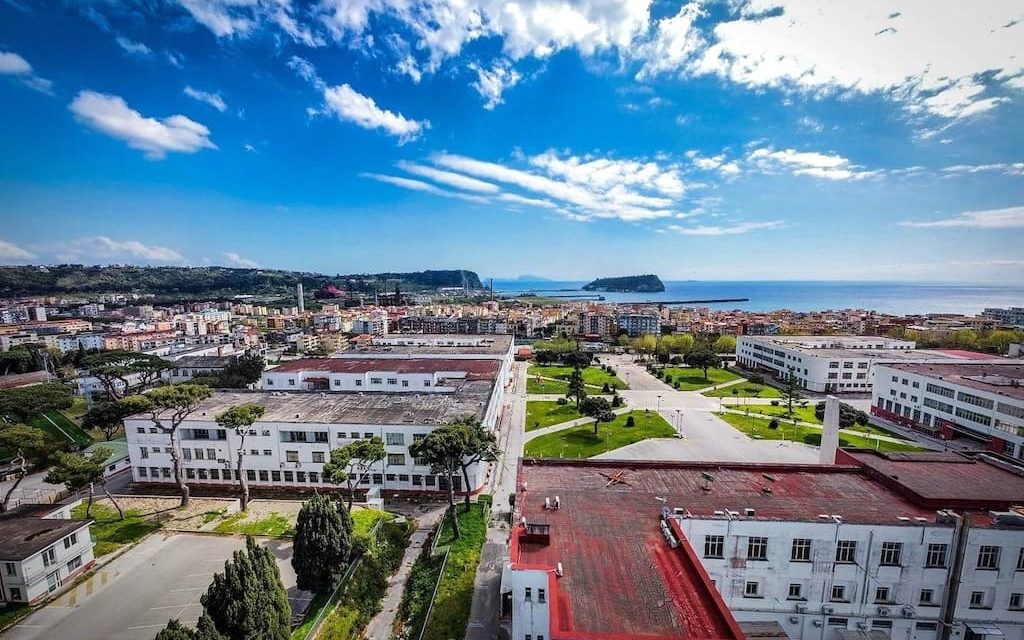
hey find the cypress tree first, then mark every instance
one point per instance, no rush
(174, 631)
(248, 601)
(205, 630)
(323, 542)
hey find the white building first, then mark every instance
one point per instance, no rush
(843, 364)
(40, 554)
(1011, 317)
(87, 341)
(374, 325)
(638, 324)
(980, 400)
(824, 552)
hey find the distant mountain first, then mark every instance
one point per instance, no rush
(649, 283)
(211, 282)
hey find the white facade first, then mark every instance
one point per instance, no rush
(87, 341)
(371, 325)
(638, 324)
(43, 572)
(941, 405)
(383, 379)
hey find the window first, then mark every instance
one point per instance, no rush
(528, 593)
(250, 474)
(354, 435)
(405, 383)
(10, 569)
(211, 454)
(801, 551)
(988, 557)
(945, 392)
(289, 476)
(49, 557)
(1020, 559)
(882, 594)
(396, 459)
(291, 456)
(426, 383)
(74, 563)
(375, 380)
(977, 599)
(320, 436)
(395, 439)
(141, 429)
(752, 590)
(881, 624)
(541, 595)
(359, 383)
(392, 380)
(926, 626)
(891, 553)
(71, 541)
(838, 622)
(757, 548)
(846, 551)
(936, 556)
(1017, 600)
(714, 546)
(186, 454)
(144, 452)
(974, 416)
(200, 455)
(264, 475)
(318, 456)
(275, 476)
(796, 591)
(838, 593)
(15, 594)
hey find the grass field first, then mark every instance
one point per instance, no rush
(594, 376)
(450, 615)
(693, 379)
(275, 525)
(803, 414)
(544, 413)
(364, 519)
(763, 391)
(109, 532)
(534, 385)
(58, 425)
(580, 442)
(758, 427)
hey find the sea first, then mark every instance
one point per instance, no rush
(898, 298)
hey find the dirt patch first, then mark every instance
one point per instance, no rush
(165, 510)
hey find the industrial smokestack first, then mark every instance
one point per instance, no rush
(302, 302)
(830, 432)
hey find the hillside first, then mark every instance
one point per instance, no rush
(68, 279)
(649, 283)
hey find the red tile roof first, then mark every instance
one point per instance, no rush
(474, 369)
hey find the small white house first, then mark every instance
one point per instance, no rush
(40, 554)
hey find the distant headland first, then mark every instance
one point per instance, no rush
(648, 283)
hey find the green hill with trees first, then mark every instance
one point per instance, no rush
(648, 283)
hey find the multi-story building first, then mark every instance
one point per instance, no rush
(374, 325)
(74, 341)
(638, 324)
(593, 323)
(39, 554)
(1011, 317)
(831, 364)
(980, 400)
(921, 548)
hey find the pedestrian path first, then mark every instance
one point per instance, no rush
(536, 433)
(849, 432)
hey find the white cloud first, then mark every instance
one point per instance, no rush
(12, 253)
(988, 263)
(811, 124)
(236, 260)
(714, 163)
(12, 64)
(734, 229)
(449, 178)
(492, 83)
(223, 17)
(424, 187)
(106, 248)
(212, 99)
(807, 163)
(1009, 218)
(132, 47)
(1009, 168)
(348, 104)
(112, 116)
(930, 56)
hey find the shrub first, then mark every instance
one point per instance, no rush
(773, 423)
(676, 384)
(562, 401)
(606, 388)
(676, 359)
(611, 371)
(616, 401)
(756, 379)
(630, 422)
(775, 403)
(668, 379)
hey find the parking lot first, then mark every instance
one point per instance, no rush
(134, 596)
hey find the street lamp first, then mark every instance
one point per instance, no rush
(679, 421)
(659, 404)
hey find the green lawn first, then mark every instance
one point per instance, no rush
(363, 520)
(693, 379)
(803, 414)
(595, 376)
(758, 426)
(63, 426)
(450, 615)
(762, 391)
(580, 442)
(534, 385)
(275, 525)
(109, 532)
(544, 413)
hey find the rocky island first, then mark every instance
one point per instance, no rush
(648, 283)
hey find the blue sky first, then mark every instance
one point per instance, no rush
(564, 138)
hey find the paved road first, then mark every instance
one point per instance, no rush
(134, 596)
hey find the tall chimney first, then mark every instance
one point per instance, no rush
(302, 302)
(830, 432)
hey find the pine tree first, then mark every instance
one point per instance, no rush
(577, 389)
(174, 631)
(247, 601)
(323, 541)
(206, 630)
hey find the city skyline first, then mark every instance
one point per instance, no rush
(679, 139)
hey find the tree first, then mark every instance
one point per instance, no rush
(123, 373)
(175, 631)
(598, 409)
(350, 463)
(247, 601)
(481, 445)
(443, 449)
(77, 472)
(725, 344)
(791, 390)
(23, 403)
(168, 407)
(322, 544)
(577, 388)
(108, 416)
(15, 361)
(31, 449)
(240, 418)
(702, 358)
(577, 359)
(244, 371)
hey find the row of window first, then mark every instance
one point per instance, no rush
(337, 383)
(300, 477)
(884, 595)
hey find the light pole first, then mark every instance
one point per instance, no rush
(659, 404)
(679, 421)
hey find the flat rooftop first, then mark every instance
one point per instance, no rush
(1001, 378)
(474, 369)
(22, 536)
(470, 398)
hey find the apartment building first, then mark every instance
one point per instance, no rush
(874, 547)
(39, 554)
(597, 324)
(1010, 317)
(638, 324)
(983, 401)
